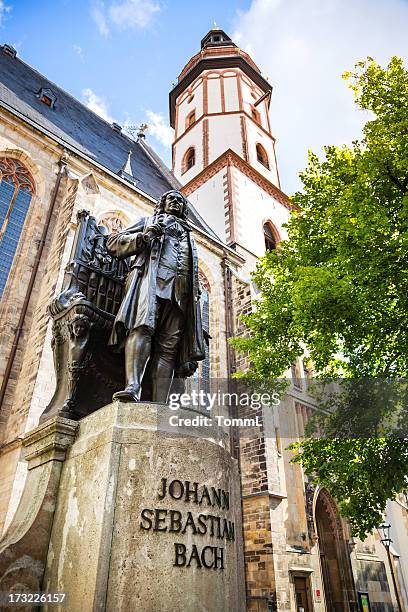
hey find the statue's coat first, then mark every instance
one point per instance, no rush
(139, 303)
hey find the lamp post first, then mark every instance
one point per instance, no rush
(384, 530)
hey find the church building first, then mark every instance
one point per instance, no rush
(58, 158)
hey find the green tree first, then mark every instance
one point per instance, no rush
(338, 288)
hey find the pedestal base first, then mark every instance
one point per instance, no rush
(147, 520)
(24, 546)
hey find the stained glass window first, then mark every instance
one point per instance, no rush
(16, 190)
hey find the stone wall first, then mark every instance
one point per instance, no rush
(258, 553)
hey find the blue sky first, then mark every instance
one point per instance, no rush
(121, 56)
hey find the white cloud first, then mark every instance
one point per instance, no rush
(157, 125)
(305, 46)
(133, 13)
(79, 52)
(123, 14)
(159, 129)
(97, 104)
(4, 9)
(98, 15)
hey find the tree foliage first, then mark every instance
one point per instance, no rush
(338, 288)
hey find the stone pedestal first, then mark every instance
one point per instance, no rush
(24, 546)
(147, 520)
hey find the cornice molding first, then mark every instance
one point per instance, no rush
(206, 63)
(231, 158)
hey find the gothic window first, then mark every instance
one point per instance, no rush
(190, 119)
(262, 156)
(270, 237)
(189, 159)
(16, 190)
(114, 222)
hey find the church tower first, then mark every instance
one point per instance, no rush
(224, 148)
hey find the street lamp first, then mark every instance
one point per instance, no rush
(384, 530)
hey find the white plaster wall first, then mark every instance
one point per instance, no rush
(208, 199)
(262, 108)
(249, 100)
(186, 107)
(214, 94)
(255, 135)
(253, 207)
(224, 133)
(231, 93)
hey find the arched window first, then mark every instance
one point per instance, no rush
(190, 119)
(189, 159)
(16, 190)
(262, 156)
(114, 221)
(270, 237)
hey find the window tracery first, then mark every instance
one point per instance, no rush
(114, 222)
(16, 190)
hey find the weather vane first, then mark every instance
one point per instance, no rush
(141, 130)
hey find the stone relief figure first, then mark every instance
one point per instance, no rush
(158, 323)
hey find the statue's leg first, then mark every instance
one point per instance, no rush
(166, 344)
(137, 354)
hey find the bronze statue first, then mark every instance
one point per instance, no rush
(129, 304)
(159, 321)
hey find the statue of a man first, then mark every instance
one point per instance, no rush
(159, 320)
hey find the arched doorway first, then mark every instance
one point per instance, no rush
(334, 556)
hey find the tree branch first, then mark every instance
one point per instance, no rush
(401, 186)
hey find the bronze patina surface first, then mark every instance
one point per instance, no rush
(128, 319)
